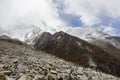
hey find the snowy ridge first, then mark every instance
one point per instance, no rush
(17, 31)
(35, 32)
(87, 33)
(23, 31)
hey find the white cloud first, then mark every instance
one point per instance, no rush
(109, 30)
(29, 11)
(35, 11)
(89, 11)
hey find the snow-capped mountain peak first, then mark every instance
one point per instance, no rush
(23, 31)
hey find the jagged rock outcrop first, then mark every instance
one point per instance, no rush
(81, 52)
(21, 62)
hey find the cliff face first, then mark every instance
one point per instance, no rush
(79, 51)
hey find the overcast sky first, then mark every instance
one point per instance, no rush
(75, 13)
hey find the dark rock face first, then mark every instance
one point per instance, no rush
(42, 39)
(78, 51)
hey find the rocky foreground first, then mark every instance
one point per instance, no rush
(20, 62)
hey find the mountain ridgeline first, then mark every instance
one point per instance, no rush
(78, 51)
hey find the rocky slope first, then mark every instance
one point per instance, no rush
(79, 51)
(19, 61)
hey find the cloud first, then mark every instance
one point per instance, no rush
(61, 12)
(95, 12)
(89, 11)
(109, 30)
(29, 11)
